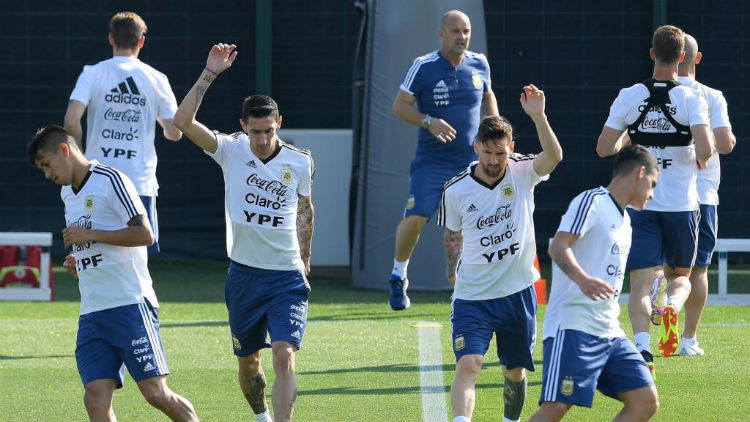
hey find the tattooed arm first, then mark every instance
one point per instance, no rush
(305, 221)
(454, 245)
(219, 59)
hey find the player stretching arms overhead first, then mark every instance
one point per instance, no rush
(107, 228)
(267, 188)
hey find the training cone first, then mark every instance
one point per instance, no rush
(540, 285)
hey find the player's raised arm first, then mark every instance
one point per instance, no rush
(533, 101)
(219, 59)
(560, 252)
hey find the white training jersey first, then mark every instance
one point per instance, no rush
(676, 190)
(710, 177)
(124, 96)
(108, 275)
(498, 229)
(261, 201)
(602, 251)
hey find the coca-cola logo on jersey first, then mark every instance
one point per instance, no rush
(502, 213)
(130, 115)
(273, 187)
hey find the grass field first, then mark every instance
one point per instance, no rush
(359, 361)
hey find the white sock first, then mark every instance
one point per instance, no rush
(676, 302)
(689, 341)
(461, 419)
(399, 268)
(510, 420)
(642, 341)
(263, 417)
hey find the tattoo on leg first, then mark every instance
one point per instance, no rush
(257, 395)
(514, 394)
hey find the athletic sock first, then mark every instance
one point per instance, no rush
(642, 341)
(510, 420)
(263, 417)
(399, 268)
(675, 302)
(461, 419)
(688, 341)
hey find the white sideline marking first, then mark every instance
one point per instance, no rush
(431, 381)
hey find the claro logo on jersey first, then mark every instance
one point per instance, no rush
(126, 92)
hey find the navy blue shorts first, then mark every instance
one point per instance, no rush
(149, 202)
(262, 302)
(112, 339)
(512, 319)
(660, 236)
(426, 181)
(576, 364)
(708, 226)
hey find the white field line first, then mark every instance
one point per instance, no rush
(434, 408)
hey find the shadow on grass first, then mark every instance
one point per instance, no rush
(391, 390)
(8, 357)
(399, 367)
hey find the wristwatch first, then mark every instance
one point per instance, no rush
(426, 121)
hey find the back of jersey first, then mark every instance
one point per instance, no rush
(124, 97)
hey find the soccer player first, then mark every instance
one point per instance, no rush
(672, 122)
(589, 350)
(107, 228)
(708, 195)
(488, 210)
(444, 93)
(267, 188)
(123, 99)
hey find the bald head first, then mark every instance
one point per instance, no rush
(692, 57)
(454, 16)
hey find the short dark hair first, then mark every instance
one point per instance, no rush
(126, 29)
(632, 157)
(259, 106)
(668, 42)
(494, 128)
(47, 139)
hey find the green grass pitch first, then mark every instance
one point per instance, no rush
(359, 361)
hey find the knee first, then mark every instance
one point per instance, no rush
(156, 397)
(469, 366)
(283, 359)
(96, 400)
(414, 222)
(515, 374)
(249, 366)
(651, 405)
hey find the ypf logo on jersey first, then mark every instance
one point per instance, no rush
(126, 92)
(440, 94)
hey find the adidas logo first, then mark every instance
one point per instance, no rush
(251, 163)
(471, 208)
(296, 335)
(148, 367)
(126, 92)
(441, 84)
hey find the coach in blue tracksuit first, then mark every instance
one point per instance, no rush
(445, 93)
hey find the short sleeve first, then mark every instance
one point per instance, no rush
(222, 145)
(449, 214)
(718, 111)
(523, 167)
(617, 114)
(580, 215)
(124, 198)
(488, 77)
(82, 90)
(697, 108)
(168, 103)
(304, 187)
(413, 81)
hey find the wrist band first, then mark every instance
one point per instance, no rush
(211, 71)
